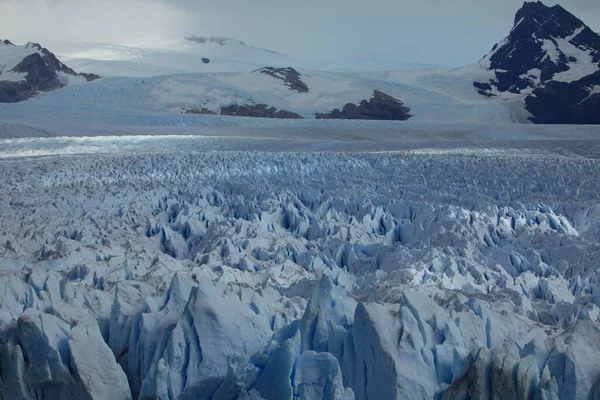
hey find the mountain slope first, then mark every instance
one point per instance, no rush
(544, 71)
(431, 95)
(546, 43)
(552, 59)
(198, 54)
(193, 55)
(576, 102)
(27, 70)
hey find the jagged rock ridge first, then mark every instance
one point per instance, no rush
(290, 77)
(258, 111)
(380, 107)
(553, 59)
(544, 42)
(200, 110)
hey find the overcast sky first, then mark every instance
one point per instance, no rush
(447, 32)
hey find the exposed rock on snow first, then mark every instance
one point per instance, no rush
(201, 111)
(290, 77)
(380, 107)
(258, 111)
(214, 39)
(567, 103)
(11, 92)
(89, 77)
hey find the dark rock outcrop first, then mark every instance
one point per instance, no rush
(41, 75)
(222, 41)
(484, 89)
(89, 77)
(13, 92)
(258, 111)
(566, 103)
(380, 107)
(197, 39)
(290, 77)
(201, 110)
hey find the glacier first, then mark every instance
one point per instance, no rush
(180, 269)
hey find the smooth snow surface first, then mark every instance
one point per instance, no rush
(185, 56)
(175, 268)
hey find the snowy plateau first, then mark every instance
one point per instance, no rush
(152, 250)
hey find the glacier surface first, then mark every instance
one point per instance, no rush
(172, 270)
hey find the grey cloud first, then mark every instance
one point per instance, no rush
(451, 32)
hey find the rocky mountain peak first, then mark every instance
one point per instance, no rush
(546, 43)
(554, 20)
(543, 22)
(551, 58)
(39, 68)
(33, 45)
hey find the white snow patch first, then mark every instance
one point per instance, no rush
(575, 33)
(13, 77)
(533, 75)
(518, 23)
(584, 65)
(69, 80)
(551, 50)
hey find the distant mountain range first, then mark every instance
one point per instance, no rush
(547, 70)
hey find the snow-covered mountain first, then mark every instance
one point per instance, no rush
(197, 54)
(545, 71)
(193, 55)
(552, 58)
(436, 95)
(30, 69)
(546, 43)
